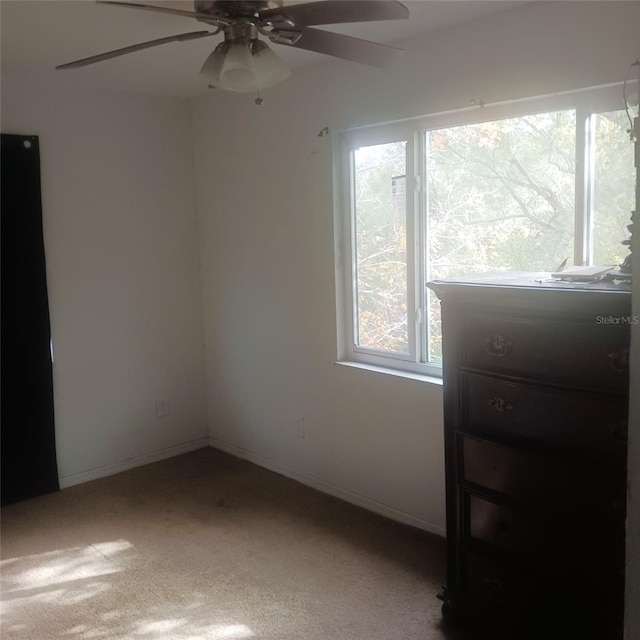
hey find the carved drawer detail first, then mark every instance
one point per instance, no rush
(500, 404)
(498, 346)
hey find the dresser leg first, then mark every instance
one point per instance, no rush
(452, 614)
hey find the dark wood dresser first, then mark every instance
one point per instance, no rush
(536, 377)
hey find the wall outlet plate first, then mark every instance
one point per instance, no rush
(162, 407)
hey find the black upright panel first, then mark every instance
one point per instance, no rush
(28, 439)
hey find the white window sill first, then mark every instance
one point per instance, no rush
(392, 372)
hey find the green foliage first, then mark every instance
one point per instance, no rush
(501, 195)
(613, 188)
(381, 249)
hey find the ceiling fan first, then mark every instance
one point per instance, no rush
(242, 62)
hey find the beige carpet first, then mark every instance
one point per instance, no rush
(207, 546)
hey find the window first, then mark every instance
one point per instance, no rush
(520, 186)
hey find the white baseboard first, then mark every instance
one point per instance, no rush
(130, 463)
(239, 452)
(327, 487)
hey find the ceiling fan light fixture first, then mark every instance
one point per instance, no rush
(269, 67)
(213, 64)
(244, 66)
(238, 71)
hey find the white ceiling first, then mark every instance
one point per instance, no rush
(37, 35)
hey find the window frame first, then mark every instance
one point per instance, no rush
(586, 103)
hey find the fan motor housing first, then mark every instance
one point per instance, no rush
(235, 8)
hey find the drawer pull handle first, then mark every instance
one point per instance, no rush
(619, 360)
(500, 404)
(495, 589)
(498, 346)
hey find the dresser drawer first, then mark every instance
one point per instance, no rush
(537, 541)
(577, 354)
(543, 543)
(533, 477)
(524, 605)
(585, 423)
(498, 588)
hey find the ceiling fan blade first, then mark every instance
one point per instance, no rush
(193, 35)
(339, 11)
(150, 7)
(346, 47)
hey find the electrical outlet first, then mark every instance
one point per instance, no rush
(162, 407)
(300, 428)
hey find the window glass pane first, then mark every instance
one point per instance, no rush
(381, 247)
(613, 188)
(500, 196)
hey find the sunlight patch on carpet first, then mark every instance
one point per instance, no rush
(63, 565)
(230, 631)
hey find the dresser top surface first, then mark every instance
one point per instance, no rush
(528, 281)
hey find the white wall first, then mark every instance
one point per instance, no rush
(123, 273)
(264, 184)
